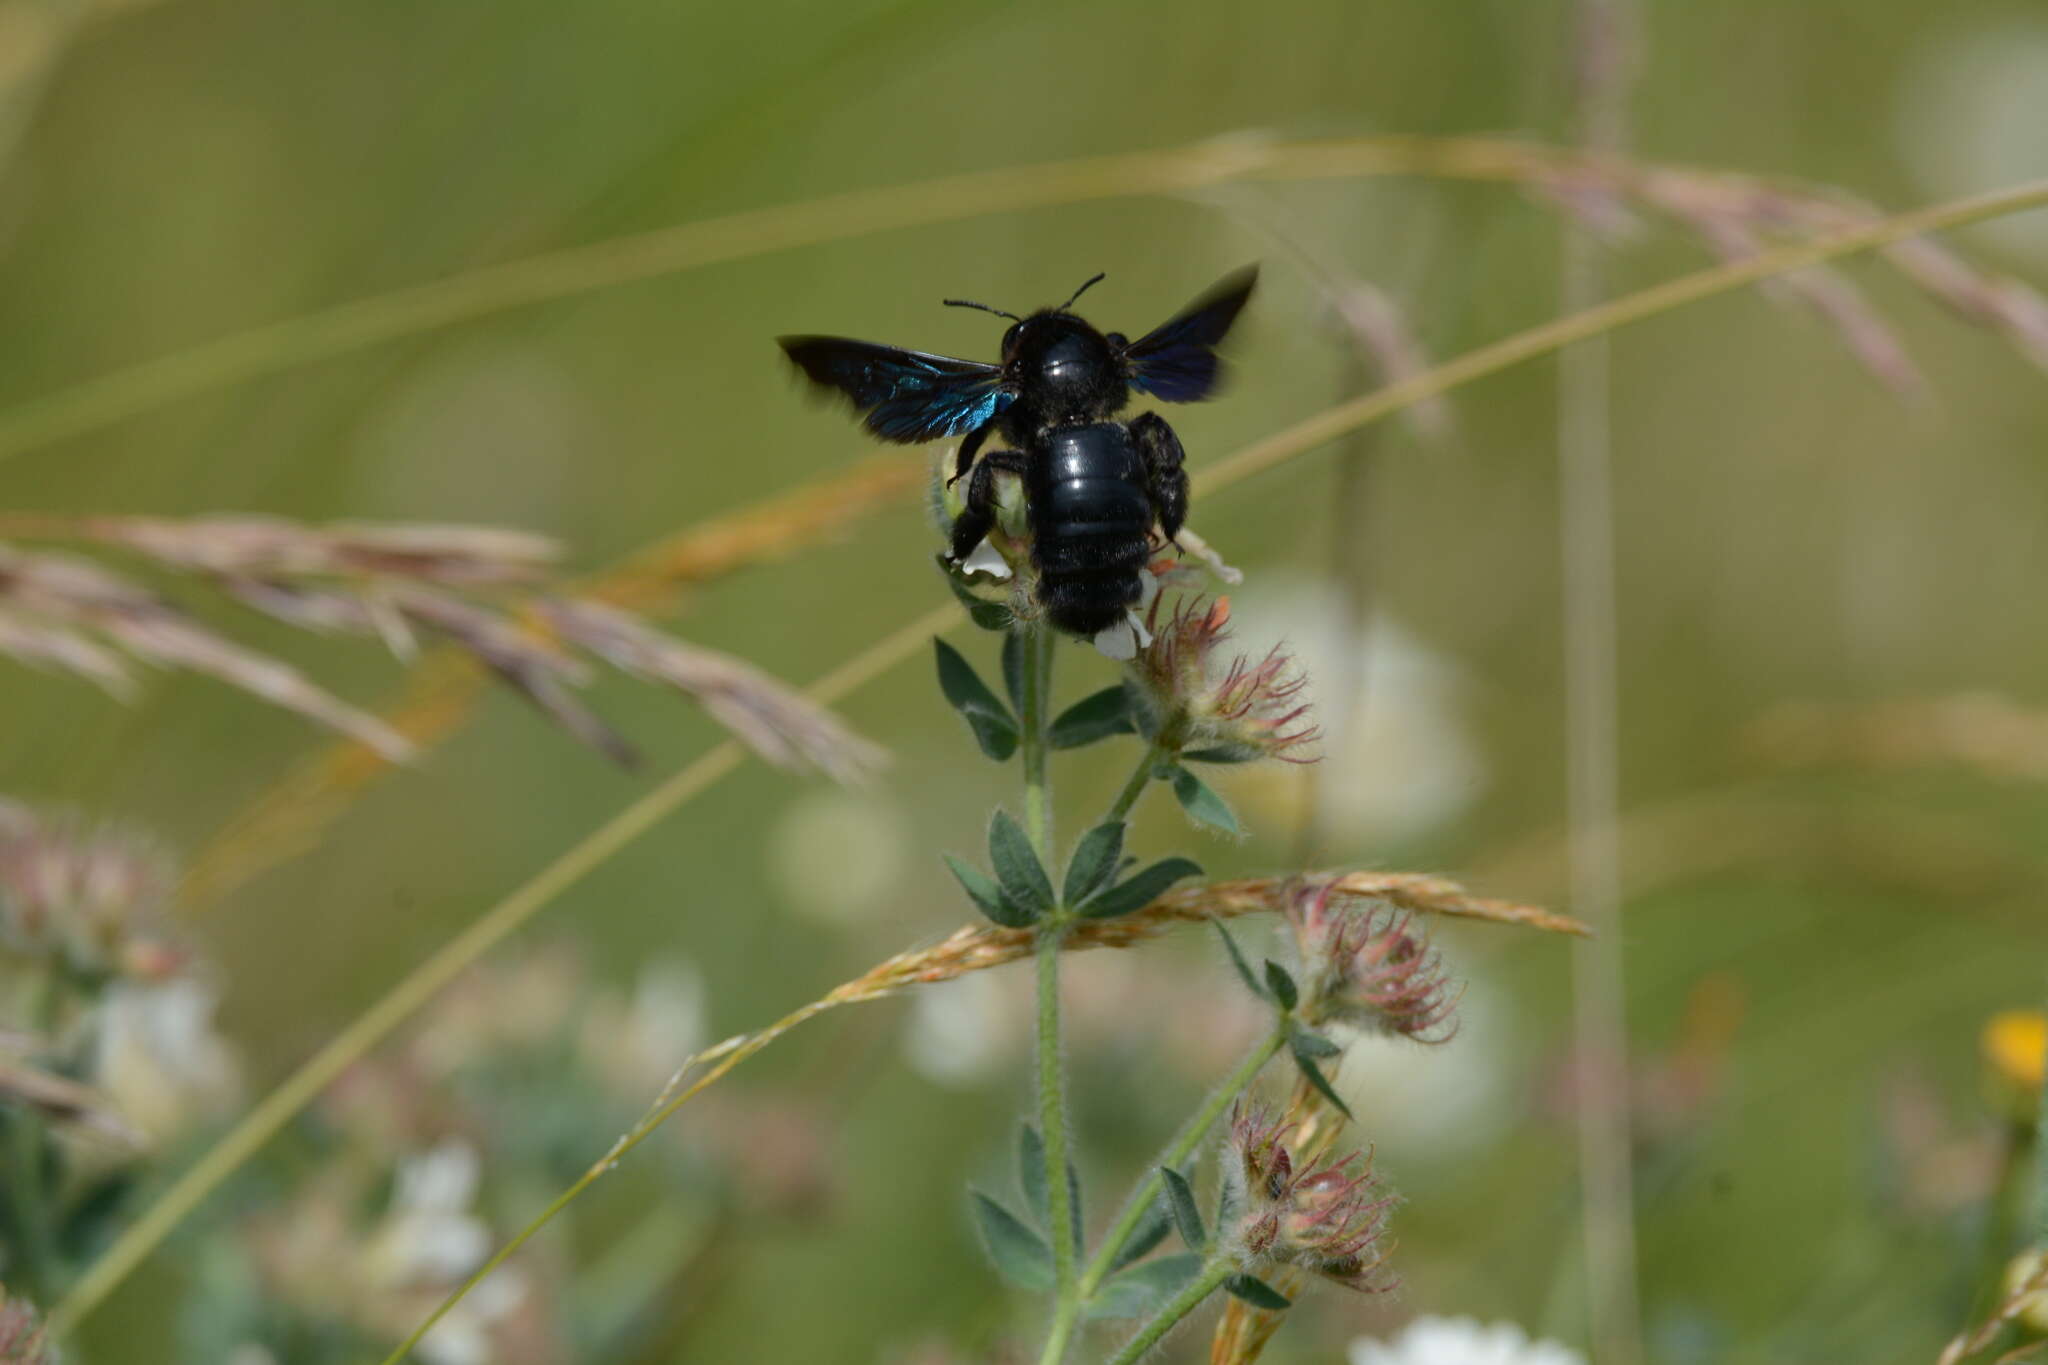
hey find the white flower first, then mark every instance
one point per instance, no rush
(159, 1059)
(429, 1239)
(1462, 1341)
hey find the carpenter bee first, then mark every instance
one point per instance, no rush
(1094, 488)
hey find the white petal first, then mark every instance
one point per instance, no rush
(984, 559)
(1120, 641)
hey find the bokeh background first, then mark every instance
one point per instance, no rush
(1824, 904)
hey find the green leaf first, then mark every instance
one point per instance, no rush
(1306, 1061)
(1200, 801)
(1031, 1174)
(1282, 985)
(1017, 867)
(983, 891)
(987, 615)
(1097, 716)
(1314, 1044)
(1244, 969)
(1013, 668)
(1094, 862)
(1020, 1254)
(1150, 1231)
(1031, 1179)
(1180, 1200)
(1142, 889)
(995, 729)
(1222, 753)
(1142, 1291)
(1257, 1293)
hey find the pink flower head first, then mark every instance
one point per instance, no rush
(1249, 708)
(1366, 963)
(1329, 1217)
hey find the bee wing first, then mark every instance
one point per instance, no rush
(1177, 361)
(905, 396)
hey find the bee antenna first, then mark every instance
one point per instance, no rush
(969, 303)
(1099, 278)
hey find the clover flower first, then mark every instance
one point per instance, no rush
(1365, 963)
(1244, 709)
(91, 898)
(1327, 1217)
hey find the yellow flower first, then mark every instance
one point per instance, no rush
(2016, 1046)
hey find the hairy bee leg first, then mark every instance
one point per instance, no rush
(980, 514)
(1166, 483)
(965, 456)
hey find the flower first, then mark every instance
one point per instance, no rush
(1365, 963)
(2015, 1044)
(159, 1059)
(1241, 710)
(1461, 1341)
(22, 1341)
(88, 897)
(1327, 1217)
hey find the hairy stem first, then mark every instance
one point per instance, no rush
(1140, 777)
(1177, 1151)
(1052, 1097)
(1037, 789)
(1187, 1301)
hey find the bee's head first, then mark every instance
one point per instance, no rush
(1060, 364)
(1059, 355)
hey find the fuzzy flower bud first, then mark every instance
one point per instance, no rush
(1246, 708)
(1328, 1217)
(1366, 964)
(93, 897)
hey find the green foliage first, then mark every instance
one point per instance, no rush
(989, 897)
(995, 729)
(1237, 960)
(1094, 862)
(1017, 867)
(1142, 1290)
(1280, 982)
(1094, 717)
(1141, 889)
(1202, 803)
(1305, 1048)
(1019, 1254)
(1180, 1202)
(1257, 1293)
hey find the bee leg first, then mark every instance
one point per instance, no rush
(1165, 481)
(965, 457)
(973, 523)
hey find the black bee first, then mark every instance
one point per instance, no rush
(1093, 487)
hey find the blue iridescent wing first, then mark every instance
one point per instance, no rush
(905, 396)
(1177, 361)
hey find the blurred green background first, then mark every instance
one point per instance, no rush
(1830, 939)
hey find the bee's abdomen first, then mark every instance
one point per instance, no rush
(1091, 525)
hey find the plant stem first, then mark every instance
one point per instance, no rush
(1201, 1287)
(1052, 1099)
(1140, 776)
(1184, 1143)
(1037, 789)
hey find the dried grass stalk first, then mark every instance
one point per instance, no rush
(776, 721)
(82, 598)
